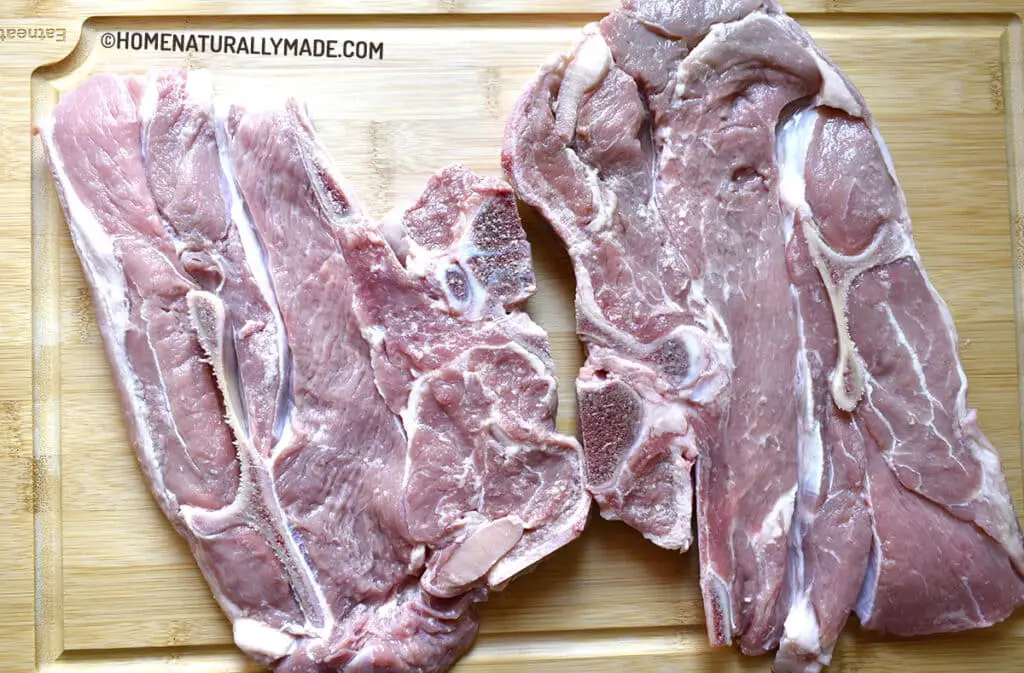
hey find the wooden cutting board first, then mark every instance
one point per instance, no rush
(91, 576)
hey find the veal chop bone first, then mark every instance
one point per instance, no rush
(752, 301)
(356, 447)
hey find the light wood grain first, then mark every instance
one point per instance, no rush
(26, 9)
(26, 468)
(91, 576)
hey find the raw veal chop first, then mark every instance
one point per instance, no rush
(357, 444)
(755, 310)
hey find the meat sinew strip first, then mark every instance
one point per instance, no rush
(707, 166)
(215, 246)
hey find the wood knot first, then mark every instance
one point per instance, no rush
(179, 633)
(83, 316)
(11, 424)
(492, 91)
(995, 86)
(381, 142)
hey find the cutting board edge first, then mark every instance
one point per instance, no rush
(1013, 73)
(40, 479)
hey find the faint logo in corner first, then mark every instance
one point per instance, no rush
(25, 33)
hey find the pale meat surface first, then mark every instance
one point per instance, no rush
(348, 498)
(757, 319)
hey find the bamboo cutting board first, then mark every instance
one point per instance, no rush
(91, 576)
